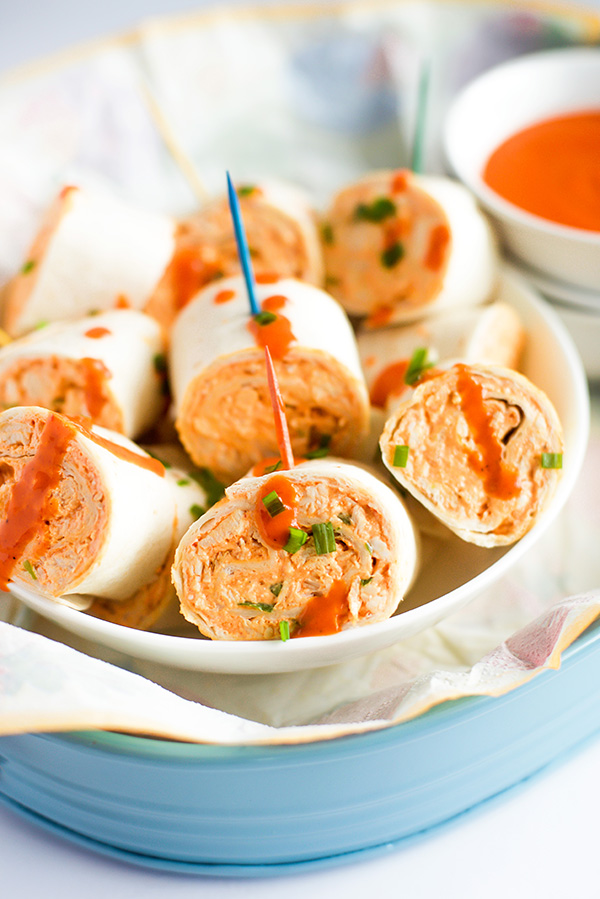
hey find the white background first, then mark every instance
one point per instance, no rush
(539, 841)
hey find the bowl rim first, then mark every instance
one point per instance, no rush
(473, 180)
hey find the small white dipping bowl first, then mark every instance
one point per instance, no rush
(497, 105)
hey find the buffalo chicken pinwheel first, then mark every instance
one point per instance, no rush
(398, 246)
(304, 552)
(218, 378)
(480, 447)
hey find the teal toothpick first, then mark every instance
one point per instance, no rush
(242, 246)
(418, 144)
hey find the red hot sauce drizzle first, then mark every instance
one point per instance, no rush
(96, 333)
(96, 373)
(275, 531)
(500, 480)
(389, 382)
(326, 614)
(26, 510)
(276, 334)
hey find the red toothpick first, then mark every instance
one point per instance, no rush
(281, 428)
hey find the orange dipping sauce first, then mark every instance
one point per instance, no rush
(552, 169)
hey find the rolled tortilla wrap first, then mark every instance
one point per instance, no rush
(281, 228)
(156, 603)
(235, 583)
(218, 376)
(81, 511)
(398, 246)
(470, 444)
(92, 252)
(105, 367)
(490, 335)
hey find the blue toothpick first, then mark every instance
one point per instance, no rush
(242, 246)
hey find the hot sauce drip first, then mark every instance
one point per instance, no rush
(551, 169)
(188, 272)
(389, 382)
(223, 296)
(275, 531)
(399, 182)
(97, 332)
(439, 239)
(277, 335)
(499, 479)
(326, 614)
(96, 373)
(267, 278)
(30, 499)
(147, 462)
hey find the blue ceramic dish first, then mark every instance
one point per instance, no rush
(257, 811)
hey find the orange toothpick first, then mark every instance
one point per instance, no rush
(281, 428)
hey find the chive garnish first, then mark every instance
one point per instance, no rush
(284, 630)
(272, 503)
(377, 211)
(276, 588)
(344, 517)
(552, 460)
(28, 266)
(392, 255)
(213, 489)
(327, 233)
(324, 537)
(43, 324)
(295, 540)
(365, 580)
(400, 456)
(245, 190)
(259, 606)
(183, 482)
(417, 365)
(29, 569)
(271, 468)
(158, 459)
(368, 547)
(264, 318)
(322, 449)
(331, 281)
(197, 511)
(160, 363)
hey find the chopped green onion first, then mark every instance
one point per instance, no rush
(331, 281)
(29, 569)
(417, 365)
(327, 233)
(28, 266)
(271, 468)
(43, 324)
(295, 540)
(264, 318)
(324, 537)
(213, 489)
(158, 459)
(259, 606)
(183, 482)
(552, 460)
(276, 588)
(245, 190)
(272, 503)
(160, 363)
(253, 252)
(345, 518)
(400, 456)
(392, 255)
(365, 580)
(377, 211)
(284, 630)
(197, 511)
(322, 449)
(368, 547)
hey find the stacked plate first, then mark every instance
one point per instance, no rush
(561, 261)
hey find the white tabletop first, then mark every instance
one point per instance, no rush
(538, 840)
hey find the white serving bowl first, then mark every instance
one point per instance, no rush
(492, 108)
(459, 573)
